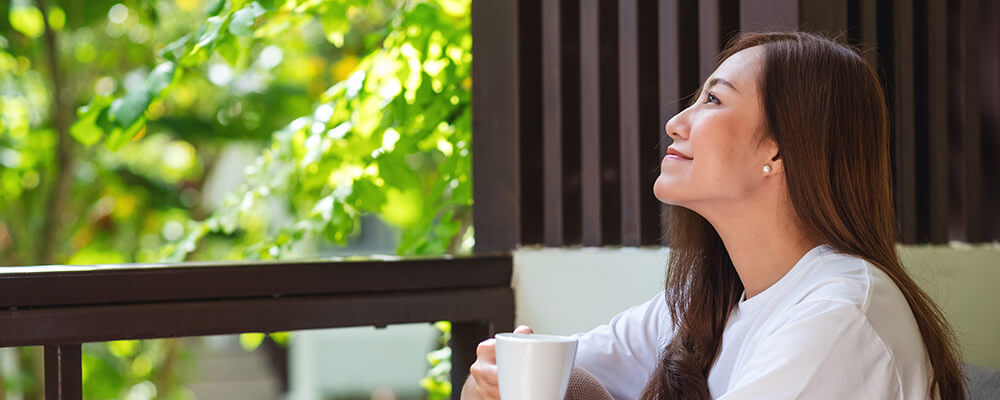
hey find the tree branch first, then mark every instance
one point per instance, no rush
(58, 196)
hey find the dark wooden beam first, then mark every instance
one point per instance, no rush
(904, 174)
(530, 144)
(63, 372)
(938, 135)
(552, 121)
(25, 287)
(76, 324)
(990, 81)
(650, 126)
(496, 125)
(970, 114)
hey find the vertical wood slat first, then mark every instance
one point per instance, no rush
(709, 36)
(63, 372)
(530, 142)
(717, 21)
(678, 76)
(638, 112)
(600, 201)
(628, 72)
(649, 122)
(465, 338)
(937, 121)
(561, 121)
(904, 178)
(868, 30)
(970, 119)
(828, 17)
(990, 82)
(552, 120)
(628, 82)
(769, 15)
(495, 115)
(590, 122)
(610, 145)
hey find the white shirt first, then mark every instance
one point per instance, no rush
(834, 327)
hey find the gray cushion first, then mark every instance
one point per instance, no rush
(981, 383)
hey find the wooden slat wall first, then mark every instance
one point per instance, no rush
(594, 82)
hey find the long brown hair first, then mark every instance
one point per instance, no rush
(825, 109)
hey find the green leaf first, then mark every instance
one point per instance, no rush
(175, 49)
(160, 78)
(369, 197)
(206, 38)
(27, 19)
(119, 136)
(243, 21)
(86, 130)
(229, 48)
(214, 7)
(251, 341)
(242, 24)
(126, 111)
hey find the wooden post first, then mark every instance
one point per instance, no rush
(465, 337)
(63, 374)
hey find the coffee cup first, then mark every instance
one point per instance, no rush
(534, 367)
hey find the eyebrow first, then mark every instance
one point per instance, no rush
(720, 81)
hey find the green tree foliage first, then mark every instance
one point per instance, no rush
(115, 114)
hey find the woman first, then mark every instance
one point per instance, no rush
(783, 279)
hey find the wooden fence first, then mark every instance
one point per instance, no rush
(570, 99)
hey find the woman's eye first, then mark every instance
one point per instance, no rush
(712, 99)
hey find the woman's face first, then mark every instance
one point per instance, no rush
(719, 148)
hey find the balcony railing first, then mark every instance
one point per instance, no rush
(61, 307)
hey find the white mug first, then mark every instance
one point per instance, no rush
(534, 367)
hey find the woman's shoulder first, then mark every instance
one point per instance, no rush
(838, 278)
(855, 289)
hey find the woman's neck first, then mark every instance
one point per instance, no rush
(764, 240)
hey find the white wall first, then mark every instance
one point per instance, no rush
(568, 290)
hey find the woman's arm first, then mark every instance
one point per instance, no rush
(622, 353)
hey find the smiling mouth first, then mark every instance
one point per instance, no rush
(676, 155)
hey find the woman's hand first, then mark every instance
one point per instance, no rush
(482, 382)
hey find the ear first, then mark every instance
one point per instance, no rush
(777, 165)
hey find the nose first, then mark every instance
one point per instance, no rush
(677, 127)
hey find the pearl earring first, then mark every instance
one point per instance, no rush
(767, 169)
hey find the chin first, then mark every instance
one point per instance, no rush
(666, 191)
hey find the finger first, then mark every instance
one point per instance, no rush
(487, 351)
(523, 329)
(485, 374)
(488, 392)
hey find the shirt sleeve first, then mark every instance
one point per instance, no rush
(623, 353)
(824, 350)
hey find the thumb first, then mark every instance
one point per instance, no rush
(523, 329)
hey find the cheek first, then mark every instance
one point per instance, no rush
(722, 168)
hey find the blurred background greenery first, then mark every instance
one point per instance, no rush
(178, 130)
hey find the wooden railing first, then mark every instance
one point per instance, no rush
(61, 307)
